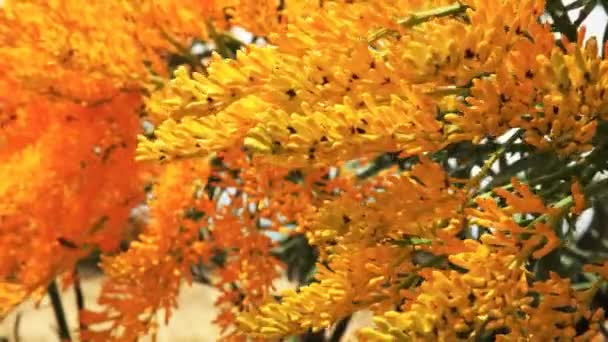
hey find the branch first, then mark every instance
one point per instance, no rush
(183, 50)
(220, 43)
(487, 166)
(64, 331)
(562, 22)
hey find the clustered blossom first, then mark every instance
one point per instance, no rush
(434, 257)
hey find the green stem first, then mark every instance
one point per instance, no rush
(487, 166)
(423, 16)
(567, 202)
(559, 174)
(571, 169)
(419, 18)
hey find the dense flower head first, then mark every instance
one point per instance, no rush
(343, 287)
(71, 53)
(368, 216)
(72, 93)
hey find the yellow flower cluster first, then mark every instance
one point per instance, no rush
(562, 94)
(147, 277)
(386, 216)
(492, 295)
(353, 79)
(489, 291)
(355, 278)
(339, 85)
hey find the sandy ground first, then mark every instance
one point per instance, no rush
(191, 322)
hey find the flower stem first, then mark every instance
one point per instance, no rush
(423, 16)
(220, 43)
(487, 166)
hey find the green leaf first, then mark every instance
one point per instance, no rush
(412, 241)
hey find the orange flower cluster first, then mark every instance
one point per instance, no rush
(66, 190)
(148, 275)
(89, 53)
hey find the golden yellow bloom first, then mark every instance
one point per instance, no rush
(11, 295)
(371, 217)
(353, 79)
(451, 306)
(267, 138)
(294, 85)
(556, 97)
(492, 296)
(71, 54)
(354, 279)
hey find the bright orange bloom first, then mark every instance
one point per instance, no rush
(47, 218)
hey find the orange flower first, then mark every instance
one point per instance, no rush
(48, 220)
(579, 198)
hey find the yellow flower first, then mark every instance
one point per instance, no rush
(76, 154)
(555, 97)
